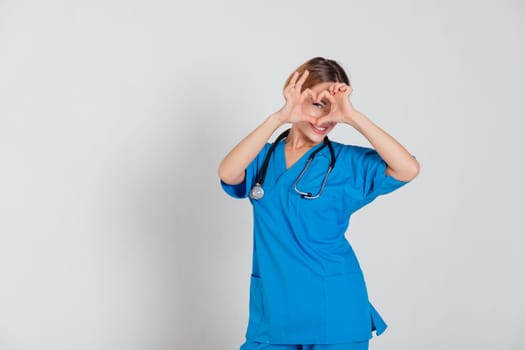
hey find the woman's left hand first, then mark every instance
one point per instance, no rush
(341, 109)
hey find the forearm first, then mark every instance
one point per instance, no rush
(232, 168)
(402, 164)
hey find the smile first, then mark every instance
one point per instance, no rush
(318, 130)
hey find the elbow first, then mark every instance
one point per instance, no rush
(229, 178)
(409, 173)
(415, 169)
(223, 175)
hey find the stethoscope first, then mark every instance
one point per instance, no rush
(257, 191)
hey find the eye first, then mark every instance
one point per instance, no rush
(321, 105)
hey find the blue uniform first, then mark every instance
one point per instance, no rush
(306, 285)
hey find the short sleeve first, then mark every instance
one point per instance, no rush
(243, 189)
(369, 172)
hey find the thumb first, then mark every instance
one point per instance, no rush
(329, 118)
(322, 120)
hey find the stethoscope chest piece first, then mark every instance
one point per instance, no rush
(256, 192)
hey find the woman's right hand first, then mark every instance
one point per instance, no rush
(232, 169)
(292, 111)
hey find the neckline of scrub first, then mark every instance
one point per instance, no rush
(306, 154)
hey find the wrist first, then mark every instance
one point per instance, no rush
(353, 118)
(280, 117)
(277, 119)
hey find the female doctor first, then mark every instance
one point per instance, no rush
(307, 290)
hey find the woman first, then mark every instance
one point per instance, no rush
(307, 290)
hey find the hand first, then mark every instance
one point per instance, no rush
(292, 111)
(341, 109)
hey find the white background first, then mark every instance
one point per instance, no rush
(114, 115)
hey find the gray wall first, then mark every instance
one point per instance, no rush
(114, 115)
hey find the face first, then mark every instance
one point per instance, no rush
(317, 110)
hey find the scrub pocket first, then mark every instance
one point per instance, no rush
(347, 306)
(256, 317)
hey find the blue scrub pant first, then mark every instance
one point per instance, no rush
(252, 345)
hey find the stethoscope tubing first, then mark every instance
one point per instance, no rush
(257, 191)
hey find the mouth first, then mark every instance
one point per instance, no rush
(319, 130)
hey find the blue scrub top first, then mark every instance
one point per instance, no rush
(306, 285)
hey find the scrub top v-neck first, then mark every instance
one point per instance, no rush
(306, 285)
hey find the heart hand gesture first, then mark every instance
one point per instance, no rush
(341, 109)
(292, 111)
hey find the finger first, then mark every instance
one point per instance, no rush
(331, 99)
(334, 105)
(335, 89)
(327, 99)
(293, 80)
(323, 121)
(301, 81)
(346, 90)
(310, 120)
(307, 93)
(323, 94)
